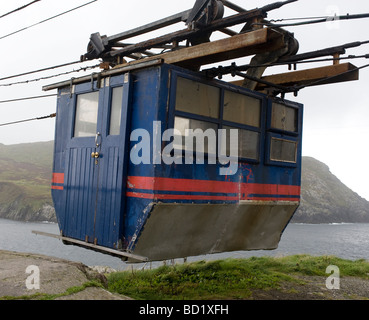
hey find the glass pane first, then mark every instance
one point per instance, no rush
(284, 118)
(116, 111)
(241, 109)
(248, 143)
(195, 97)
(86, 114)
(283, 150)
(183, 124)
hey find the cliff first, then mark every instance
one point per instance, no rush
(25, 175)
(26, 169)
(325, 199)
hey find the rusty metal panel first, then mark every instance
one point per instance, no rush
(181, 230)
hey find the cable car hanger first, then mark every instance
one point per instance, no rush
(202, 20)
(269, 43)
(234, 70)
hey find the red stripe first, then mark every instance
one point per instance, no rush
(58, 178)
(200, 197)
(273, 199)
(177, 196)
(57, 187)
(189, 185)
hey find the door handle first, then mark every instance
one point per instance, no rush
(97, 138)
(95, 155)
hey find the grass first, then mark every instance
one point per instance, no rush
(45, 296)
(25, 176)
(226, 279)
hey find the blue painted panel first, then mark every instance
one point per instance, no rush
(94, 199)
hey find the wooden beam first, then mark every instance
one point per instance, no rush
(306, 77)
(229, 48)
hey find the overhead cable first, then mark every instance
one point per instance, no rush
(28, 98)
(48, 19)
(39, 70)
(219, 71)
(18, 9)
(49, 77)
(320, 20)
(53, 115)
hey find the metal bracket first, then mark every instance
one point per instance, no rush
(113, 252)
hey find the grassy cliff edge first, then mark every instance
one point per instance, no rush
(291, 277)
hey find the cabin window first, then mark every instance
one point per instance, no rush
(284, 118)
(283, 150)
(116, 111)
(201, 106)
(248, 143)
(241, 109)
(197, 98)
(86, 114)
(185, 124)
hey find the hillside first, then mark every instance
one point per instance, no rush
(325, 199)
(25, 175)
(26, 169)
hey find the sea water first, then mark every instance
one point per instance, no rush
(348, 241)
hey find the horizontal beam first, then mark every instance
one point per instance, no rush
(186, 34)
(233, 6)
(182, 16)
(313, 77)
(241, 45)
(304, 77)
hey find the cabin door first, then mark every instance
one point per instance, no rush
(97, 163)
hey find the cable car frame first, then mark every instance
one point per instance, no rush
(125, 181)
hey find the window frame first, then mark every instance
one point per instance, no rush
(75, 114)
(283, 163)
(79, 89)
(283, 134)
(110, 105)
(288, 104)
(219, 121)
(105, 91)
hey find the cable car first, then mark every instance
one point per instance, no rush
(154, 162)
(155, 159)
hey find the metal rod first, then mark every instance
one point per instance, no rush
(93, 246)
(233, 6)
(276, 5)
(323, 52)
(327, 19)
(269, 84)
(182, 16)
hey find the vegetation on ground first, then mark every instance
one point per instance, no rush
(227, 279)
(46, 296)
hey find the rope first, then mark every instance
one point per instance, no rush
(53, 17)
(53, 115)
(18, 9)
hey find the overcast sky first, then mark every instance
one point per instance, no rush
(336, 116)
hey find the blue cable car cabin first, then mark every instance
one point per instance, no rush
(123, 181)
